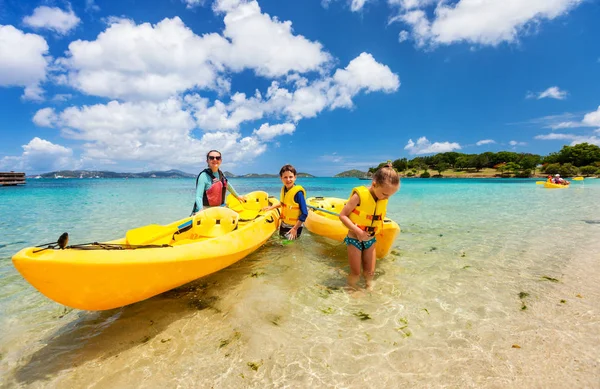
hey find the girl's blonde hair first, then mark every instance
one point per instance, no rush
(386, 175)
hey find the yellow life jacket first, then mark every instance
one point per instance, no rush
(369, 214)
(290, 209)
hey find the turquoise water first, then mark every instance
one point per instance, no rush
(492, 283)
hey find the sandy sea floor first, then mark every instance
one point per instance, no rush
(491, 300)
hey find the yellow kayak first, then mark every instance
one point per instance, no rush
(552, 185)
(149, 260)
(323, 219)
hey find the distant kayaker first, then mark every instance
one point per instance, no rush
(212, 185)
(559, 180)
(293, 204)
(363, 215)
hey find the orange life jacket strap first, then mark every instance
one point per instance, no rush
(369, 217)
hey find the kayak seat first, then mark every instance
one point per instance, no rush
(214, 222)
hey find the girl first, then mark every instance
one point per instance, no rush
(363, 215)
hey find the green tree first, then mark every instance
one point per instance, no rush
(462, 162)
(568, 170)
(400, 164)
(552, 168)
(588, 170)
(513, 167)
(480, 161)
(441, 167)
(579, 155)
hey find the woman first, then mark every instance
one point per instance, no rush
(212, 185)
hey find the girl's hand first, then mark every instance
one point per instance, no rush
(363, 236)
(266, 209)
(242, 199)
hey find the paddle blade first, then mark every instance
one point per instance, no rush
(577, 178)
(540, 182)
(155, 233)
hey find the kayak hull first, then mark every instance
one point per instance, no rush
(330, 226)
(551, 185)
(103, 279)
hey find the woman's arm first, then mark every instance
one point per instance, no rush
(204, 183)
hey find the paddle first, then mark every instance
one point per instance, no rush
(540, 182)
(577, 178)
(322, 210)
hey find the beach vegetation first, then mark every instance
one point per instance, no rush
(568, 170)
(362, 316)
(425, 174)
(568, 162)
(441, 167)
(255, 365)
(400, 164)
(550, 279)
(589, 170)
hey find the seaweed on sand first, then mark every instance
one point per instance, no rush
(362, 316)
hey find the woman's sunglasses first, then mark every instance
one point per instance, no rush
(212, 157)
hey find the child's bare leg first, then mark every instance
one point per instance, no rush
(368, 264)
(354, 258)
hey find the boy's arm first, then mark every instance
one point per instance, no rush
(299, 198)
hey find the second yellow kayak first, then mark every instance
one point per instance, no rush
(326, 223)
(552, 185)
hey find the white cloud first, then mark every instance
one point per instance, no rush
(363, 72)
(592, 119)
(52, 18)
(486, 22)
(45, 117)
(159, 74)
(91, 6)
(515, 143)
(485, 142)
(553, 92)
(40, 155)
(157, 134)
(306, 101)
(193, 3)
(153, 62)
(424, 146)
(556, 122)
(130, 61)
(268, 132)
(265, 44)
(335, 158)
(403, 36)
(60, 97)
(23, 61)
(357, 5)
(575, 139)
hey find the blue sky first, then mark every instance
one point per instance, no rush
(326, 85)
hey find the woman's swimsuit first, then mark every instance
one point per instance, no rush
(362, 246)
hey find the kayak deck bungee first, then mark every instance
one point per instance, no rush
(152, 259)
(323, 219)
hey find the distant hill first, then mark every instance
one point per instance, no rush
(107, 174)
(256, 175)
(152, 174)
(352, 173)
